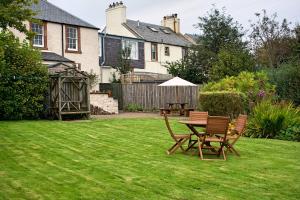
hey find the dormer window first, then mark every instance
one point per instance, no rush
(153, 29)
(39, 39)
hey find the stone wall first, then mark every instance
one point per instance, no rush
(102, 100)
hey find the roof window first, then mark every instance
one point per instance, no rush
(166, 31)
(153, 29)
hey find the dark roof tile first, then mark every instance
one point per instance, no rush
(49, 12)
(159, 36)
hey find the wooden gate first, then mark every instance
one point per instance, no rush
(69, 93)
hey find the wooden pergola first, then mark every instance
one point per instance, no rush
(69, 93)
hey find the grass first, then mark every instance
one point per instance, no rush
(126, 159)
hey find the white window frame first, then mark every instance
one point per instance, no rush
(134, 55)
(38, 34)
(72, 38)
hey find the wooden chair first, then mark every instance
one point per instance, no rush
(179, 139)
(194, 116)
(216, 131)
(240, 126)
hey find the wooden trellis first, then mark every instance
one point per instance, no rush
(69, 93)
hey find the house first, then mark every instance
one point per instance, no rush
(151, 46)
(64, 38)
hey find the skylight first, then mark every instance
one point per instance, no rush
(153, 29)
(165, 31)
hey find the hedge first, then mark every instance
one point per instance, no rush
(223, 103)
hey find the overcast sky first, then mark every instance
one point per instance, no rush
(152, 11)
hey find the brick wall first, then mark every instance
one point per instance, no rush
(105, 102)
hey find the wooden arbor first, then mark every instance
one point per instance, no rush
(69, 93)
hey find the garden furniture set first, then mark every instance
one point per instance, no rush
(216, 132)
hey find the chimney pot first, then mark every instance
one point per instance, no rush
(121, 2)
(114, 4)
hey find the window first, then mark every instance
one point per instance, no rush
(153, 52)
(131, 49)
(39, 37)
(167, 51)
(72, 39)
(166, 31)
(184, 52)
(153, 29)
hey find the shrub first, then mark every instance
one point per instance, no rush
(132, 107)
(23, 79)
(223, 103)
(281, 121)
(255, 86)
(287, 81)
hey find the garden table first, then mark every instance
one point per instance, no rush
(172, 106)
(191, 124)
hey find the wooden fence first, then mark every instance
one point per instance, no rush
(151, 97)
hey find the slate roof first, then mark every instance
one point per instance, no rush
(143, 30)
(49, 12)
(50, 56)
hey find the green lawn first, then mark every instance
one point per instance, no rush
(126, 159)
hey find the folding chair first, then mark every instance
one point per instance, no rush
(216, 131)
(194, 116)
(179, 139)
(240, 126)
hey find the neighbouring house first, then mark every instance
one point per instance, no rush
(64, 38)
(151, 46)
(193, 38)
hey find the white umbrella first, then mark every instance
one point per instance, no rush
(176, 81)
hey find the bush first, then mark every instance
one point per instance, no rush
(287, 81)
(23, 79)
(223, 103)
(255, 86)
(281, 121)
(132, 107)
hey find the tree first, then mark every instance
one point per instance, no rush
(23, 79)
(272, 41)
(231, 61)
(124, 62)
(195, 65)
(13, 14)
(219, 29)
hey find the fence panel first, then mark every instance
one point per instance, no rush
(150, 96)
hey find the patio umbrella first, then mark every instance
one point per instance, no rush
(176, 82)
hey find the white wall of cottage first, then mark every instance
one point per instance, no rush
(88, 58)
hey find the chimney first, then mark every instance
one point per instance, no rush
(172, 22)
(115, 17)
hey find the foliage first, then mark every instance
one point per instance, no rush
(14, 13)
(93, 78)
(273, 41)
(115, 79)
(287, 81)
(126, 159)
(124, 62)
(230, 62)
(274, 121)
(23, 81)
(255, 85)
(219, 29)
(132, 107)
(194, 67)
(223, 103)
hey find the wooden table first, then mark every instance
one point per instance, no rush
(191, 124)
(172, 107)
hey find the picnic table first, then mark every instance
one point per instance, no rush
(174, 107)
